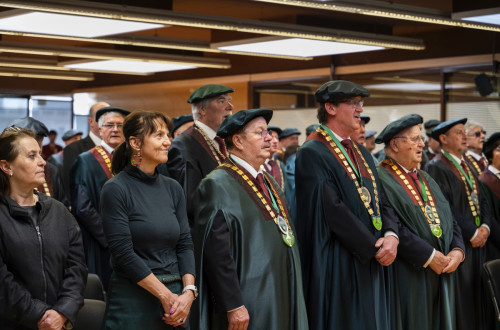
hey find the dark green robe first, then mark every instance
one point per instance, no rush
(268, 271)
(425, 300)
(344, 285)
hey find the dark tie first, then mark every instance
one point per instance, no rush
(414, 176)
(483, 163)
(348, 147)
(271, 164)
(262, 185)
(464, 167)
(222, 145)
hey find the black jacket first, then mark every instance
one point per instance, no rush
(41, 267)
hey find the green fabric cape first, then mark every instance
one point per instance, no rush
(268, 270)
(425, 300)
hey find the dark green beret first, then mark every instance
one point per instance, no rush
(339, 90)
(429, 125)
(289, 131)
(365, 118)
(275, 129)
(29, 122)
(491, 143)
(369, 133)
(208, 91)
(397, 126)
(311, 128)
(181, 120)
(102, 111)
(240, 119)
(69, 134)
(445, 127)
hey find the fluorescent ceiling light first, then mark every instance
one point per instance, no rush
(488, 19)
(298, 47)
(487, 16)
(416, 87)
(68, 25)
(128, 66)
(46, 74)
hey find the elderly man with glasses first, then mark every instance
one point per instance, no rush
(434, 245)
(247, 254)
(89, 173)
(475, 140)
(346, 230)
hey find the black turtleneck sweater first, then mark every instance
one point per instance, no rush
(145, 223)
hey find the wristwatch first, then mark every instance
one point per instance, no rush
(192, 288)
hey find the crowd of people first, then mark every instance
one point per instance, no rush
(218, 220)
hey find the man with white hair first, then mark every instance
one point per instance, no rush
(475, 139)
(199, 150)
(89, 173)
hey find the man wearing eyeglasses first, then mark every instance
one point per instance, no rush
(472, 213)
(198, 150)
(475, 140)
(433, 245)
(246, 244)
(347, 232)
(89, 173)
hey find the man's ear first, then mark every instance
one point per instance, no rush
(330, 109)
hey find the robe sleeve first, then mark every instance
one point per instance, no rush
(220, 268)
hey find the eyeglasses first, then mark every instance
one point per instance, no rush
(109, 126)
(354, 103)
(478, 133)
(415, 140)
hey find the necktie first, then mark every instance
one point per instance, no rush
(414, 176)
(271, 164)
(222, 145)
(462, 163)
(484, 163)
(262, 185)
(348, 147)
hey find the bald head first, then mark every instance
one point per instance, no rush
(93, 125)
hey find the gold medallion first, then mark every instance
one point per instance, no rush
(365, 195)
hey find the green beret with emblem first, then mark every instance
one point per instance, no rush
(337, 90)
(240, 119)
(397, 126)
(445, 127)
(208, 91)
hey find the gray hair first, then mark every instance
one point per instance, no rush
(195, 107)
(470, 125)
(103, 116)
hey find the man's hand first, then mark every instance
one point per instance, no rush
(456, 257)
(388, 249)
(481, 237)
(439, 262)
(51, 320)
(238, 319)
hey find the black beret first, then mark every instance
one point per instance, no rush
(311, 128)
(240, 119)
(102, 111)
(338, 90)
(445, 127)
(491, 143)
(289, 131)
(28, 122)
(181, 120)
(365, 118)
(208, 91)
(369, 133)
(275, 129)
(69, 134)
(397, 126)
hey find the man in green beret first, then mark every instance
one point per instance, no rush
(289, 136)
(471, 211)
(432, 146)
(248, 259)
(346, 231)
(273, 165)
(431, 244)
(199, 150)
(89, 173)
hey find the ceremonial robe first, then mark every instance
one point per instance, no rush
(268, 271)
(87, 176)
(425, 300)
(491, 184)
(344, 285)
(190, 159)
(70, 152)
(469, 288)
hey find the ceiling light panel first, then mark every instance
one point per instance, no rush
(68, 25)
(297, 47)
(416, 87)
(128, 66)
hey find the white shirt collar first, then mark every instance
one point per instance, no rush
(407, 170)
(473, 154)
(493, 170)
(339, 137)
(210, 132)
(97, 140)
(458, 160)
(245, 165)
(107, 147)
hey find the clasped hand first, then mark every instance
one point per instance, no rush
(177, 308)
